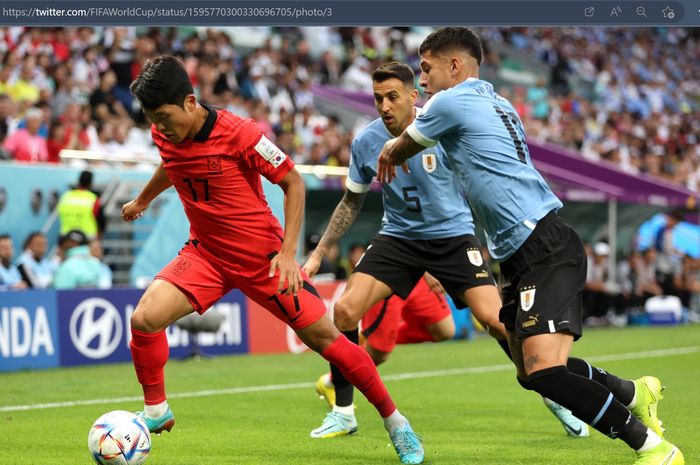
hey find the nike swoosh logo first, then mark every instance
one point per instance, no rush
(670, 457)
(575, 431)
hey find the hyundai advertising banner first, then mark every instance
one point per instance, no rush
(94, 327)
(29, 335)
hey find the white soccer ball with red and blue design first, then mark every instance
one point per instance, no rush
(119, 438)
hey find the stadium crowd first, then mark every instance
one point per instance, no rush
(629, 96)
(624, 95)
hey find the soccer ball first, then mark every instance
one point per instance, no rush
(119, 438)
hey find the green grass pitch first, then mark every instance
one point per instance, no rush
(461, 396)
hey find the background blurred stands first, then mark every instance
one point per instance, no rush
(626, 95)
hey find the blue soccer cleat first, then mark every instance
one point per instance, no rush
(157, 425)
(572, 425)
(408, 444)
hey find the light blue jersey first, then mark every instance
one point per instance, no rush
(40, 273)
(425, 204)
(485, 142)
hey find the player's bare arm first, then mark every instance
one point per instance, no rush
(396, 152)
(343, 217)
(158, 183)
(293, 186)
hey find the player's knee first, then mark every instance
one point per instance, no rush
(443, 332)
(547, 382)
(344, 315)
(141, 322)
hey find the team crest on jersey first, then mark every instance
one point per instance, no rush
(270, 152)
(214, 164)
(429, 162)
(527, 298)
(475, 257)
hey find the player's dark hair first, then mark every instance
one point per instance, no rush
(5, 236)
(162, 81)
(30, 237)
(394, 70)
(447, 38)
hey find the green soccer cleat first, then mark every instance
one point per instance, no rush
(326, 392)
(408, 444)
(647, 396)
(334, 425)
(160, 424)
(572, 425)
(663, 454)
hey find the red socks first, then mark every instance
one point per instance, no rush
(412, 334)
(358, 368)
(149, 352)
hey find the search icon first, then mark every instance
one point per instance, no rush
(641, 11)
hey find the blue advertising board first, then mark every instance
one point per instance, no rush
(29, 334)
(94, 327)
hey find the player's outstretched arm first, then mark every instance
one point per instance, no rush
(396, 152)
(343, 217)
(158, 183)
(294, 195)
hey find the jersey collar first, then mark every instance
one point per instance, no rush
(208, 126)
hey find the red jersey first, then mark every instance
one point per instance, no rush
(217, 176)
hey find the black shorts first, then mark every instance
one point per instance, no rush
(399, 263)
(544, 280)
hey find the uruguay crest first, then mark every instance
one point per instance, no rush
(429, 162)
(527, 298)
(474, 256)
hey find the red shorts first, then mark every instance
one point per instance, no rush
(422, 308)
(205, 279)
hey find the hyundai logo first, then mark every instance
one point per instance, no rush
(95, 328)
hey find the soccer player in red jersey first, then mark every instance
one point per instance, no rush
(214, 160)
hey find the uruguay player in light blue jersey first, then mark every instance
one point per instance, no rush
(542, 258)
(425, 229)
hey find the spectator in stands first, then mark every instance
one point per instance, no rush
(36, 270)
(26, 144)
(79, 269)
(600, 294)
(60, 252)
(56, 142)
(24, 88)
(10, 279)
(6, 124)
(79, 208)
(104, 104)
(97, 251)
(686, 282)
(628, 278)
(648, 283)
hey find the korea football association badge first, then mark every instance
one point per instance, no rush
(474, 256)
(429, 162)
(527, 298)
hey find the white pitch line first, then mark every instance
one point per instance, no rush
(396, 377)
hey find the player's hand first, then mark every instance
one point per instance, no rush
(133, 210)
(313, 263)
(433, 283)
(289, 273)
(386, 171)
